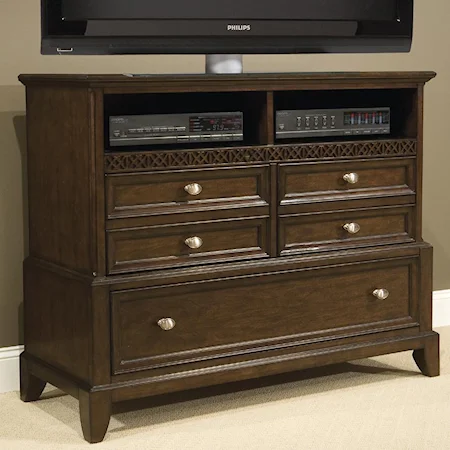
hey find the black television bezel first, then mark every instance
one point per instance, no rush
(60, 36)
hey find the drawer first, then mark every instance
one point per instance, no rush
(133, 195)
(182, 245)
(221, 318)
(332, 231)
(310, 184)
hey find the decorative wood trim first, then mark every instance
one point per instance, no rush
(137, 161)
(98, 182)
(207, 83)
(264, 345)
(128, 390)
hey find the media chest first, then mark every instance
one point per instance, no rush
(161, 268)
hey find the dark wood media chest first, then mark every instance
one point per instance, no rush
(156, 270)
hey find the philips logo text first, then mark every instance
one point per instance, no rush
(239, 28)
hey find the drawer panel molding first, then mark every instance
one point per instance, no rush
(306, 233)
(136, 195)
(327, 182)
(156, 247)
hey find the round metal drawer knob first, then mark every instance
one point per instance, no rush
(381, 294)
(167, 324)
(351, 178)
(352, 228)
(193, 189)
(194, 242)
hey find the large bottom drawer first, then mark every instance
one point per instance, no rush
(161, 326)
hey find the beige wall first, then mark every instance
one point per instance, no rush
(19, 53)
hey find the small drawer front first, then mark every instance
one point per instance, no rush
(133, 195)
(198, 321)
(327, 182)
(183, 245)
(331, 231)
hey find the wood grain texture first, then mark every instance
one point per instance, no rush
(63, 380)
(244, 82)
(97, 185)
(274, 210)
(263, 367)
(325, 182)
(315, 341)
(325, 231)
(121, 162)
(425, 275)
(277, 284)
(158, 193)
(427, 358)
(100, 335)
(419, 168)
(95, 414)
(212, 319)
(270, 119)
(56, 320)
(31, 387)
(60, 177)
(165, 246)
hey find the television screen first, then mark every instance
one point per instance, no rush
(235, 26)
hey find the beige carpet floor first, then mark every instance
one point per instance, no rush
(381, 403)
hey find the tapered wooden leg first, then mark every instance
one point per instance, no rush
(31, 387)
(95, 412)
(427, 358)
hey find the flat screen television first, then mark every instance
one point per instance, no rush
(221, 27)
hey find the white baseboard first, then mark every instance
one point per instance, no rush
(441, 309)
(9, 368)
(9, 357)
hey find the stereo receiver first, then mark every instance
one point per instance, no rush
(175, 128)
(332, 122)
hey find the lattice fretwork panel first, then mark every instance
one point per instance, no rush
(150, 160)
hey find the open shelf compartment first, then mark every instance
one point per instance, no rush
(402, 104)
(253, 105)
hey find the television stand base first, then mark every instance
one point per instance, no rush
(214, 64)
(222, 64)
